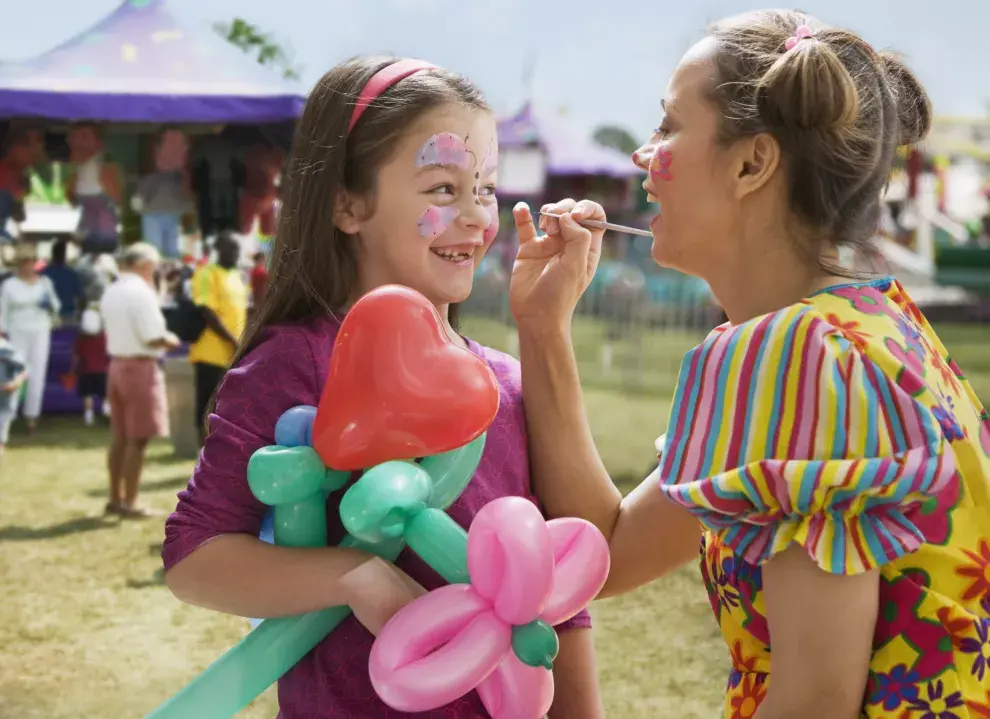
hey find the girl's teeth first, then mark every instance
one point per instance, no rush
(455, 256)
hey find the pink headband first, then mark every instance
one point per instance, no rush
(382, 81)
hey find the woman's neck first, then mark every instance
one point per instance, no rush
(766, 281)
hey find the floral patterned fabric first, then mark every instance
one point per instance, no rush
(842, 424)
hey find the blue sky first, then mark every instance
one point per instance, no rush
(602, 61)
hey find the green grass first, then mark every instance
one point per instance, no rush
(88, 629)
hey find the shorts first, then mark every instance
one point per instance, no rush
(138, 404)
(208, 379)
(92, 384)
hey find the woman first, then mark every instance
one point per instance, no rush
(837, 460)
(28, 304)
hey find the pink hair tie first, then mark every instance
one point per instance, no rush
(382, 81)
(803, 32)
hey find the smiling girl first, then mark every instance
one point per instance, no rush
(395, 188)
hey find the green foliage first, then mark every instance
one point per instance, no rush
(249, 38)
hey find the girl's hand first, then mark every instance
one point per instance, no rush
(376, 590)
(552, 272)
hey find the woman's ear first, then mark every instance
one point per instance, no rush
(347, 213)
(757, 161)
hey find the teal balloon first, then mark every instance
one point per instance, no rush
(441, 543)
(282, 475)
(377, 507)
(452, 471)
(535, 644)
(301, 524)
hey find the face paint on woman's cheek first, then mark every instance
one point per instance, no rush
(660, 164)
(435, 221)
(443, 149)
(492, 230)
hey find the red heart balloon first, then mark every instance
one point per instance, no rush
(398, 387)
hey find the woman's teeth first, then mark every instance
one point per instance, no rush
(453, 256)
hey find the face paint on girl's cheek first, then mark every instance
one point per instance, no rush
(492, 230)
(436, 220)
(660, 164)
(443, 149)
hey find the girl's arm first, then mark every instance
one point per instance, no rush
(575, 677)
(821, 656)
(212, 554)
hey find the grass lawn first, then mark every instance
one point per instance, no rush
(88, 629)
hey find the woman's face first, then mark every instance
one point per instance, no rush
(434, 213)
(690, 176)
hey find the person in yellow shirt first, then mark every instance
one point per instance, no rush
(221, 295)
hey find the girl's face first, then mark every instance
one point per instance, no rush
(434, 213)
(690, 176)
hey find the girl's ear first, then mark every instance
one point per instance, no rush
(347, 213)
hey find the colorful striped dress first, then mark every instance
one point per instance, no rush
(841, 424)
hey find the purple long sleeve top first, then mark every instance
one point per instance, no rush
(287, 368)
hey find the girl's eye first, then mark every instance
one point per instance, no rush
(443, 189)
(487, 190)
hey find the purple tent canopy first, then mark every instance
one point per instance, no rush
(142, 64)
(568, 151)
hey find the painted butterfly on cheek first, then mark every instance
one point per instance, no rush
(660, 164)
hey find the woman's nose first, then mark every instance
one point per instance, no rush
(641, 157)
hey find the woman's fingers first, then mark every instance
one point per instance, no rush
(551, 225)
(524, 223)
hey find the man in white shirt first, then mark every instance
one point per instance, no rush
(136, 337)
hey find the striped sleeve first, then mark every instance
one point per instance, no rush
(782, 431)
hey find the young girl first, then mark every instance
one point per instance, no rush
(90, 363)
(398, 187)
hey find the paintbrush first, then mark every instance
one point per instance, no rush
(599, 225)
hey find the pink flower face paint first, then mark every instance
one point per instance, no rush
(660, 164)
(443, 149)
(492, 230)
(435, 221)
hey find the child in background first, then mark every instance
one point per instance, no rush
(90, 363)
(13, 374)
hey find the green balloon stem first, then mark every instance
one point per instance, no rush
(275, 646)
(441, 543)
(302, 524)
(535, 644)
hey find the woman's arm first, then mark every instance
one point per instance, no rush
(647, 534)
(575, 678)
(821, 628)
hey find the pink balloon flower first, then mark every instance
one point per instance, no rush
(459, 637)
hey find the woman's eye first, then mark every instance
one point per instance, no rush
(662, 131)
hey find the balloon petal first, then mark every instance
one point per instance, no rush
(437, 649)
(510, 558)
(516, 691)
(282, 475)
(377, 506)
(581, 564)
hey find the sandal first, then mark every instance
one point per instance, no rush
(111, 508)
